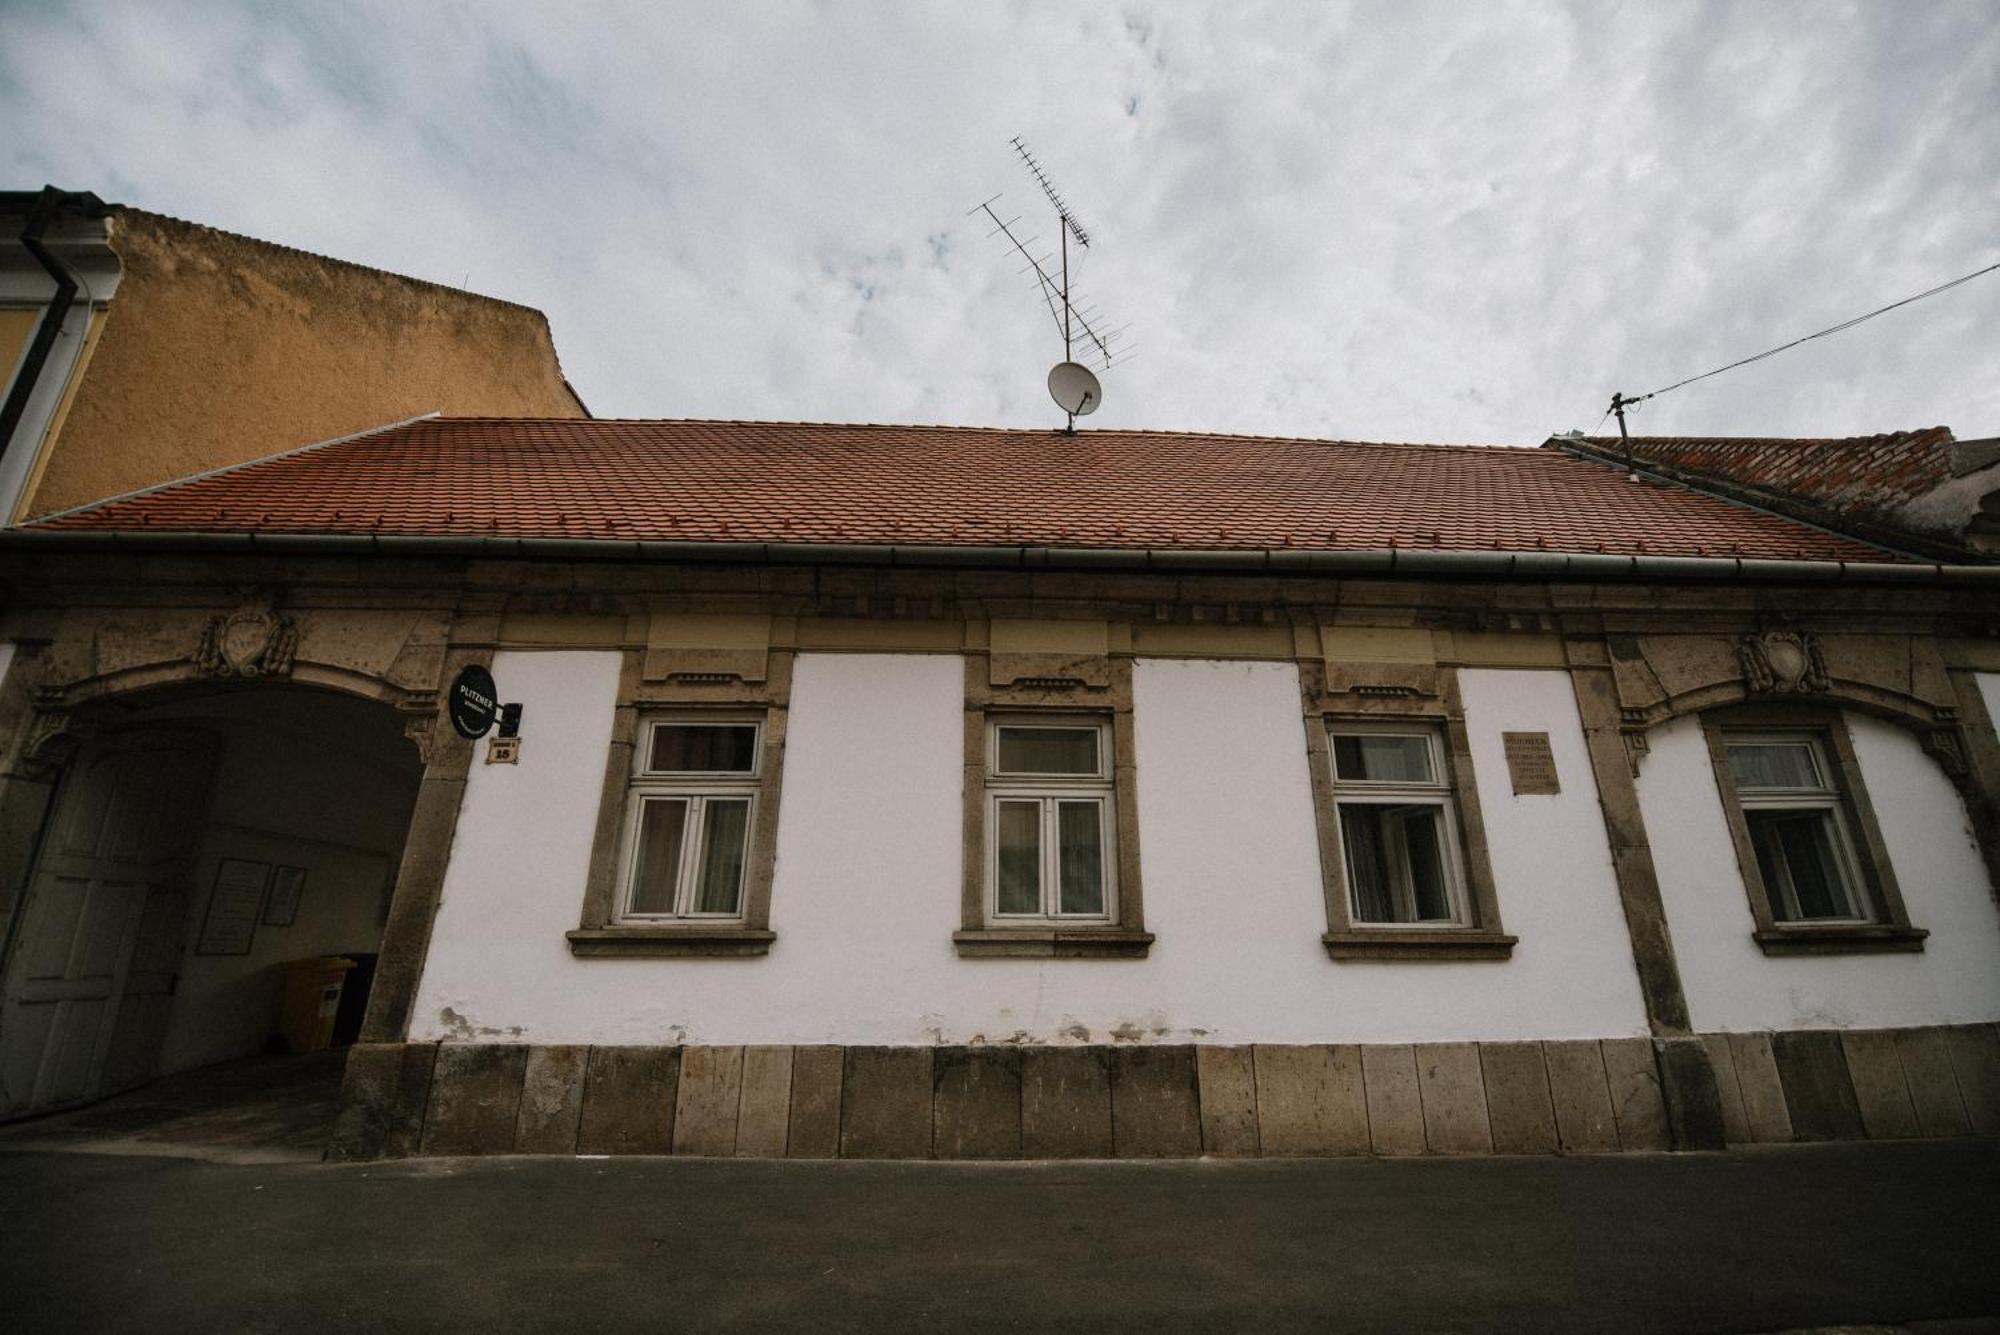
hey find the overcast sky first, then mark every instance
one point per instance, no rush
(1385, 221)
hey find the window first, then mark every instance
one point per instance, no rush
(1792, 812)
(692, 802)
(1812, 859)
(686, 844)
(1051, 811)
(1398, 837)
(1049, 823)
(1402, 847)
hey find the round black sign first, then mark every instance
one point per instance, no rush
(474, 701)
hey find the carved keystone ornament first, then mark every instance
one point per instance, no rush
(253, 641)
(1780, 662)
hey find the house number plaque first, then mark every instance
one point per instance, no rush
(1530, 763)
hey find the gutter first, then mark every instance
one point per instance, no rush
(52, 319)
(1252, 561)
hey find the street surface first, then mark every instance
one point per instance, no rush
(1762, 1240)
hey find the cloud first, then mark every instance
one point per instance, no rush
(1417, 221)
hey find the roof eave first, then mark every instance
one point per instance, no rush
(1400, 562)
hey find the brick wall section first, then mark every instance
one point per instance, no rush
(1570, 1096)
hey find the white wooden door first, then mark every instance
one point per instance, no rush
(109, 886)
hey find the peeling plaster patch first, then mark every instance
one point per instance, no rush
(1130, 1033)
(460, 1027)
(1076, 1030)
(1810, 1012)
(1020, 1038)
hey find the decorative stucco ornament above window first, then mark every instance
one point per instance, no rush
(1779, 662)
(253, 641)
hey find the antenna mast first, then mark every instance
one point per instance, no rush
(1073, 385)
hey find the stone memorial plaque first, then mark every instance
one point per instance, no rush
(1530, 763)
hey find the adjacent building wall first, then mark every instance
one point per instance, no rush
(866, 891)
(220, 348)
(80, 244)
(1732, 986)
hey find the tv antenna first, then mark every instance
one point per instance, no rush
(1072, 384)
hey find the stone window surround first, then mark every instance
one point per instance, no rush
(600, 933)
(1427, 697)
(1094, 687)
(1891, 930)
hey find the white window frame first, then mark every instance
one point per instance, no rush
(1825, 796)
(1438, 793)
(1051, 791)
(697, 788)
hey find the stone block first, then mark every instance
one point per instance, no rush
(1517, 1098)
(815, 1122)
(628, 1100)
(551, 1100)
(384, 1088)
(1735, 1125)
(1228, 1086)
(1634, 1081)
(1311, 1100)
(1585, 1123)
(1395, 1107)
(1065, 1103)
(976, 1103)
(1453, 1091)
(1934, 1092)
(764, 1123)
(1690, 1093)
(1881, 1091)
(708, 1101)
(1818, 1093)
(885, 1103)
(475, 1098)
(1763, 1095)
(1155, 1103)
(1975, 1060)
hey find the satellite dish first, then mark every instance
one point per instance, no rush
(1075, 389)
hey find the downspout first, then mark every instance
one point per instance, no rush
(52, 320)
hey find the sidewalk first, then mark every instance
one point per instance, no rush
(1887, 1233)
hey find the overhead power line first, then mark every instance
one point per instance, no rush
(1620, 402)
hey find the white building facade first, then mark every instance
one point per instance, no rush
(918, 854)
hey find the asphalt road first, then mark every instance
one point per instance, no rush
(1746, 1241)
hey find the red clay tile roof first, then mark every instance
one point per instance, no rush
(791, 482)
(1857, 474)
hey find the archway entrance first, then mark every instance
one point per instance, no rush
(203, 842)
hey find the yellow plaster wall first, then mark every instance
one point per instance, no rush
(220, 349)
(78, 374)
(17, 326)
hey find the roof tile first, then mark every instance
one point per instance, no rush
(695, 481)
